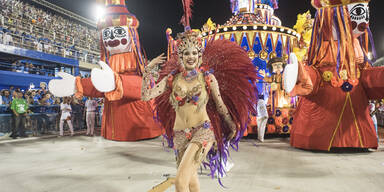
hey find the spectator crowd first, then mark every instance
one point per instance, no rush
(36, 112)
(38, 28)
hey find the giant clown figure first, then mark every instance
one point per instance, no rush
(337, 82)
(125, 116)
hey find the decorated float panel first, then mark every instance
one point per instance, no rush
(255, 28)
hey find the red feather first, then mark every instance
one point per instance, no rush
(236, 77)
(187, 6)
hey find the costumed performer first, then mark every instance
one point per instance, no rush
(126, 117)
(196, 112)
(203, 99)
(337, 82)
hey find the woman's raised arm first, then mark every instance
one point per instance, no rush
(149, 89)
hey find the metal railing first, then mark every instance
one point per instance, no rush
(44, 120)
(26, 42)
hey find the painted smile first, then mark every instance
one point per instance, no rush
(113, 43)
(363, 26)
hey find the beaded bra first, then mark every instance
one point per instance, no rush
(180, 96)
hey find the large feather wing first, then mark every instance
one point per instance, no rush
(236, 77)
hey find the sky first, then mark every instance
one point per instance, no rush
(156, 16)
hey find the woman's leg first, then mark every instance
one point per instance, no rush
(194, 184)
(61, 126)
(188, 167)
(70, 127)
(92, 123)
(87, 119)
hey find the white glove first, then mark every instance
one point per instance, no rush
(62, 87)
(290, 73)
(103, 79)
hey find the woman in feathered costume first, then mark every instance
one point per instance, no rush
(333, 111)
(202, 99)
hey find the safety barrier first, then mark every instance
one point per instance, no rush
(43, 120)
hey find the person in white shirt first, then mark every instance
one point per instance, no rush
(66, 109)
(1, 19)
(47, 48)
(7, 39)
(39, 46)
(1, 37)
(262, 118)
(90, 106)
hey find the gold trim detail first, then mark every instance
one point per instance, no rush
(347, 98)
(338, 122)
(355, 121)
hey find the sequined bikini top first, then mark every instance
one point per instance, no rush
(197, 95)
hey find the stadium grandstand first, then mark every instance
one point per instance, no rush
(37, 40)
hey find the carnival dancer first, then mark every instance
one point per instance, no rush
(337, 81)
(196, 112)
(202, 99)
(125, 116)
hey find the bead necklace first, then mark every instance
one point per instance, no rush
(190, 75)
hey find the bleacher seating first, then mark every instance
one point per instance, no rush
(40, 29)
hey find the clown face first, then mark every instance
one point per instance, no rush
(359, 13)
(277, 67)
(116, 39)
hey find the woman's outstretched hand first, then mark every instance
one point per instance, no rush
(157, 61)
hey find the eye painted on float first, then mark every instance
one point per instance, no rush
(119, 32)
(358, 12)
(106, 33)
(194, 53)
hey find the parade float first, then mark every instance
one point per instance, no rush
(255, 28)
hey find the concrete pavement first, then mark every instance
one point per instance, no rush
(80, 163)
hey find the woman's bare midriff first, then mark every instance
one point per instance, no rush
(189, 115)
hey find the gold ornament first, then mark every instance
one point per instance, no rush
(251, 54)
(344, 74)
(327, 76)
(285, 57)
(263, 55)
(272, 55)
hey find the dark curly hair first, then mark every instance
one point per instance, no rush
(275, 60)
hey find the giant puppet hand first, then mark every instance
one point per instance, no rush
(290, 73)
(62, 87)
(103, 79)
